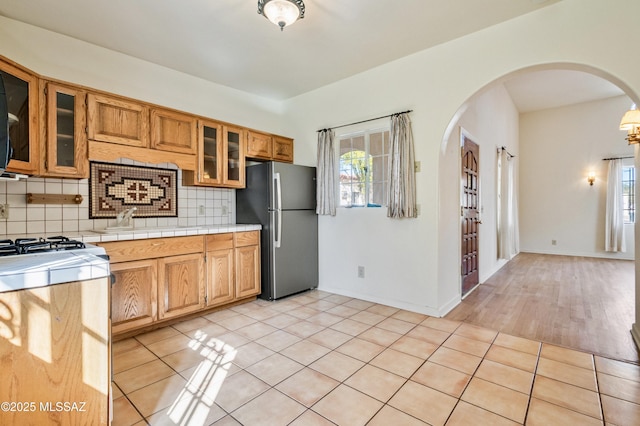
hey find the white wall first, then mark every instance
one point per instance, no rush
(410, 270)
(559, 147)
(57, 56)
(490, 119)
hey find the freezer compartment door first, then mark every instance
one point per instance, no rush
(298, 187)
(295, 262)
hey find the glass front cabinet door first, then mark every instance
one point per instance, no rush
(210, 153)
(66, 150)
(22, 99)
(234, 144)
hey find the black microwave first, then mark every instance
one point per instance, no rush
(5, 145)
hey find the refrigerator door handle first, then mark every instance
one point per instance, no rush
(278, 190)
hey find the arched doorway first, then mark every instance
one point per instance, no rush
(489, 116)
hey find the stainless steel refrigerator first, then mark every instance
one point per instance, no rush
(282, 198)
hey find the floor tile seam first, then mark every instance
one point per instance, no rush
(533, 381)
(618, 397)
(483, 409)
(599, 393)
(568, 409)
(305, 410)
(615, 377)
(130, 368)
(473, 375)
(548, 376)
(150, 383)
(135, 408)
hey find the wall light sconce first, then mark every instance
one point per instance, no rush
(631, 123)
(591, 178)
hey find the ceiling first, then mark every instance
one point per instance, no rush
(227, 42)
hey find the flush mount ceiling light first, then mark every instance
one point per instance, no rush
(281, 12)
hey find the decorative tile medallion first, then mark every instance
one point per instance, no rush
(116, 187)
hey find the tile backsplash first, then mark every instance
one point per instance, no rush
(196, 206)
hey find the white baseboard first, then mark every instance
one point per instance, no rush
(426, 310)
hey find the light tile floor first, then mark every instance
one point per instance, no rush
(322, 359)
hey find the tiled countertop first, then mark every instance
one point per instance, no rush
(42, 269)
(144, 233)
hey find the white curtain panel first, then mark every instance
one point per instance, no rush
(614, 221)
(401, 197)
(508, 232)
(326, 174)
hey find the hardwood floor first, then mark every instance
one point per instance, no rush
(576, 302)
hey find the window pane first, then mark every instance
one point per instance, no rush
(364, 169)
(628, 194)
(352, 171)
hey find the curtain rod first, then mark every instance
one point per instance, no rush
(618, 158)
(504, 148)
(364, 121)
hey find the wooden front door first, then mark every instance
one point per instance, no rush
(470, 204)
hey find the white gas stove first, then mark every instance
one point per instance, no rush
(37, 262)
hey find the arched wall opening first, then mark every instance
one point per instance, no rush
(491, 118)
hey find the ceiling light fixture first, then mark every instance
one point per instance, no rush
(631, 123)
(281, 12)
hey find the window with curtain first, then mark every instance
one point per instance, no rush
(363, 168)
(614, 217)
(628, 194)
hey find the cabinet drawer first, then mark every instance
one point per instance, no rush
(219, 241)
(120, 251)
(250, 238)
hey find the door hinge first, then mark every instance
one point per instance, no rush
(206, 299)
(461, 211)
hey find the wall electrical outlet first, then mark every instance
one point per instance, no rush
(201, 210)
(360, 271)
(554, 242)
(225, 210)
(4, 211)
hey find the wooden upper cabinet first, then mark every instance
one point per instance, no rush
(173, 131)
(21, 87)
(283, 149)
(267, 147)
(117, 121)
(64, 123)
(210, 156)
(233, 173)
(259, 145)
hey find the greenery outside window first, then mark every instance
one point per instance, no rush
(628, 194)
(364, 168)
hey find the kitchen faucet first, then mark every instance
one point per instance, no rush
(123, 219)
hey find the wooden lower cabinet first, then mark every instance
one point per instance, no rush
(166, 278)
(233, 267)
(247, 271)
(220, 277)
(55, 355)
(180, 285)
(134, 295)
